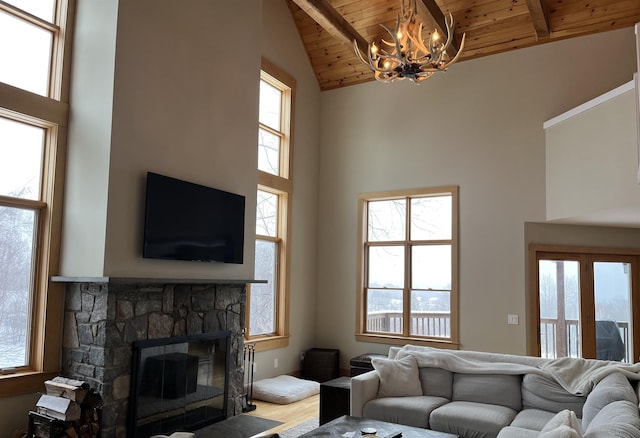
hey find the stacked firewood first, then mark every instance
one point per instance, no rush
(74, 404)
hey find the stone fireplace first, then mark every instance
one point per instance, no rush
(105, 317)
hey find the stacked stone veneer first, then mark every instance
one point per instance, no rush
(103, 319)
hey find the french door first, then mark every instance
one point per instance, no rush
(584, 304)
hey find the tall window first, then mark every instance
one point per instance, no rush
(409, 271)
(585, 302)
(268, 303)
(33, 119)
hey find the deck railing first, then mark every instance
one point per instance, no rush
(438, 324)
(432, 323)
(550, 348)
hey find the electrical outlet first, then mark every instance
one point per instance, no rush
(512, 319)
(275, 362)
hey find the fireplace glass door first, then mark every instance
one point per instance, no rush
(179, 384)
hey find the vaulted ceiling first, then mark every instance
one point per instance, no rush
(328, 27)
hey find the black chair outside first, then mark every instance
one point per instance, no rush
(609, 344)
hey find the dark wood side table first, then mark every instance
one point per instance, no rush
(335, 399)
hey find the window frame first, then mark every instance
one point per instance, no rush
(282, 186)
(51, 113)
(362, 334)
(585, 256)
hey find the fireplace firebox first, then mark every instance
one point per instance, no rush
(179, 383)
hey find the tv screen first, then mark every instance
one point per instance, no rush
(187, 221)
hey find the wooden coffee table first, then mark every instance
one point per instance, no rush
(342, 426)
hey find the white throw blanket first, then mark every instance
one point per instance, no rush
(577, 376)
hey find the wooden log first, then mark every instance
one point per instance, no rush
(58, 407)
(75, 390)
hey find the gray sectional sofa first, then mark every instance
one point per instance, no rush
(484, 395)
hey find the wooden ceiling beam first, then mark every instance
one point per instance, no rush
(540, 18)
(330, 20)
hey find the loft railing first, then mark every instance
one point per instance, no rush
(551, 348)
(432, 323)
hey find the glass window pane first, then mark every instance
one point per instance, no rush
(431, 313)
(559, 294)
(44, 9)
(20, 159)
(431, 218)
(386, 266)
(612, 293)
(25, 51)
(268, 152)
(270, 105)
(262, 298)
(387, 220)
(384, 310)
(267, 214)
(17, 227)
(431, 267)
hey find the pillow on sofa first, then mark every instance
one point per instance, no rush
(398, 378)
(613, 387)
(564, 424)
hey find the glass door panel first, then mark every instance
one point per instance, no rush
(612, 293)
(559, 295)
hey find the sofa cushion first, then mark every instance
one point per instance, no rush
(436, 382)
(564, 424)
(495, 389)
(411, 411)
(541, 392)
(517, 432)
(533, 419)
(471, 419)
(617, 419)
(397, 377)
(613, 387)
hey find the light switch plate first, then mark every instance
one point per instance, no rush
(512, 319)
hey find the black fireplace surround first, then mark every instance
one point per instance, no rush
(113, 324)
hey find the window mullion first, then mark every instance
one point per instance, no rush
(29, 18)
(407, 270)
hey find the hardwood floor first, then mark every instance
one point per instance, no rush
(290, 415)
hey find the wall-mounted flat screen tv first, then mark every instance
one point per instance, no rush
(187, 221)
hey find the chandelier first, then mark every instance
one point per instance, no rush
(407, 55)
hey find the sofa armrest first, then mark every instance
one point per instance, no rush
(363, 389)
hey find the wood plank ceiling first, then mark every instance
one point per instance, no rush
(328, 27)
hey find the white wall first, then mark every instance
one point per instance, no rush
(478, 126)
(184, 97)
(594, 152)
(87, 172)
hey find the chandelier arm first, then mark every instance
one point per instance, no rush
(359, 55)
(450, 32)
(394, 37)
(455, 58)
(419, 41)
(446, 65)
